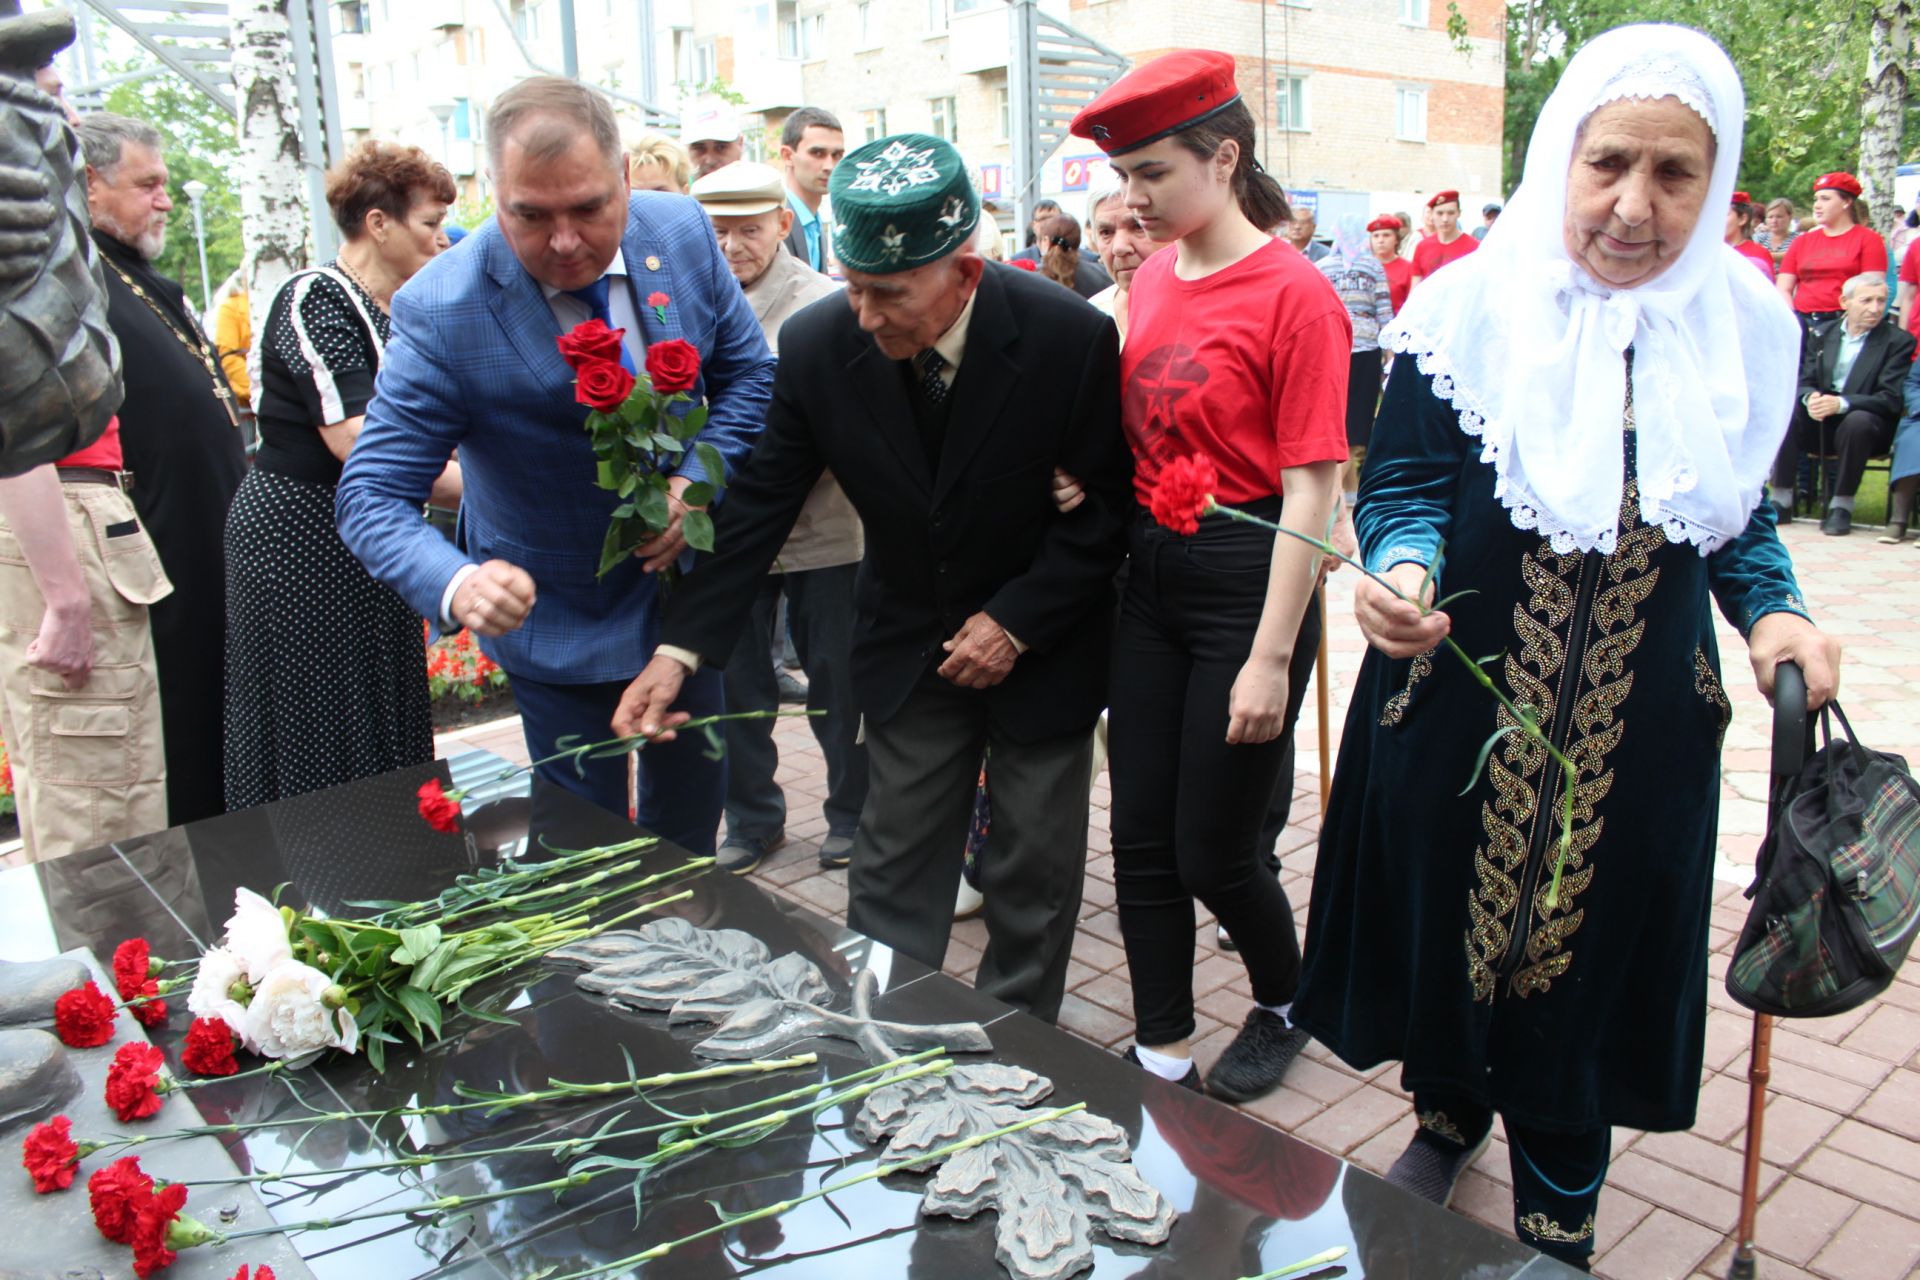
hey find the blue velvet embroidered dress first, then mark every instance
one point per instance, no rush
(1429, 937)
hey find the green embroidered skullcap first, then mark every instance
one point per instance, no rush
(900, 203)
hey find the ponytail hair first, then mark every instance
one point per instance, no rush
(1061, 261)
(1260, 197)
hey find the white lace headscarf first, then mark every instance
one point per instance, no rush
(1530, 349)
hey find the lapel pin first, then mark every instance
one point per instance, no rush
(653, 263)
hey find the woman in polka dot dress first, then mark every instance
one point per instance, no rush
(326, 674)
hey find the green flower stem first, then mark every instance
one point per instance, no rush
(472, 895)
(1305, 1264)
(170, 1084)
(439, 1205)
(1527, 724)
(564, 1146)
(559, 1091)
(773, 1210)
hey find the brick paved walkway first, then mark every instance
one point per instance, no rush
(1842, 1186)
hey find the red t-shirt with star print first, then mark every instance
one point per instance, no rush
(1247, 366)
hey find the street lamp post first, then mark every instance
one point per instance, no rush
(443, 112)
(196, 192)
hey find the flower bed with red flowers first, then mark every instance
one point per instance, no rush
(464, 684)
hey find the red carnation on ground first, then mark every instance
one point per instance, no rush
(133, 965)
(83, 1017)
(151, 1234)
(209, 1048)
(588, 341)
(604, 384)
(50, 1154)
(117, 1192)
(441, 810)
(1026, 264)
(261, 1272)
(134, 1081)
(673, 365)
(1184, 493)
(146, 1005)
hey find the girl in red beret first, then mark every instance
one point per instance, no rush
(1840, 247)
(1236, 356)
(1740, 220)
(1387, 232)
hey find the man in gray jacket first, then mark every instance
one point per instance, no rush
(815, 568)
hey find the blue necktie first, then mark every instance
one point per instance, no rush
(595, 296)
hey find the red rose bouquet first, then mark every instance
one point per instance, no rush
(639, 441)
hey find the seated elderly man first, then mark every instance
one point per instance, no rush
(1849, 400)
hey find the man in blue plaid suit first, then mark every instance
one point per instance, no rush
(473, 365)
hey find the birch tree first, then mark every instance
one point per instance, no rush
(273, 192)
(1882, 108)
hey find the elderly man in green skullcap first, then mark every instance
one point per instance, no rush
(942, 391)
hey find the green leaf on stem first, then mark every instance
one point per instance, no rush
(483, 1015)
(603, 475)
(416, 943)
(698, 494)
(697, 528)
(668, 444)
(712, 463)
(729, 1217)
(1426, 579)
(1441, 604)
(693, 421)
(654, 509)
(1486, 750)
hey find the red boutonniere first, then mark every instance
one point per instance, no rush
(639, 441)
(83, 1017)
(209, 1048)
(1184, 493)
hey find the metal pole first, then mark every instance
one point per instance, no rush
(200, 238)
(325, 240)
(649, 73)
(1022, 68)
(569, 42)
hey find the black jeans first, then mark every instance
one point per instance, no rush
(820, 610)
(1188, 808)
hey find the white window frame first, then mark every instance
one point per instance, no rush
(1003, 113)
(863, 20)
(942, 117)
(1414, 13)
(706, 60)
(873, 123)
(937, 17)
(1285, 122)
(1405, 95)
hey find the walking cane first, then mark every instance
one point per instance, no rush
(1320, 693)
(1792, 739)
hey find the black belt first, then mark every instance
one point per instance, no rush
(121, 480)
(1822, 316)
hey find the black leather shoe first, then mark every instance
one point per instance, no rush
(1431, 1166)
(1189, 1081)
(1782, 514)
(1838, 524)
(1257, 1059)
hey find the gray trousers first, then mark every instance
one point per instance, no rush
(924, 763)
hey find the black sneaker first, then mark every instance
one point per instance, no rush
(1189, 1081)
(741, 854)
(1257, 1059)
(1431, 1166)
(1838, 524)
(836, 852)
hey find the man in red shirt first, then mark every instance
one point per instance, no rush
(1446, 244)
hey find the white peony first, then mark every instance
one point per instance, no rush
(289, 1018)
(257, 934)
(211, 996)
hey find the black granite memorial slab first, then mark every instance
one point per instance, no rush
(1248, 1197)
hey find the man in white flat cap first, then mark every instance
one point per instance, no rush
(815, 568)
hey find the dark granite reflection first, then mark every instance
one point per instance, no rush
(1249, 1198)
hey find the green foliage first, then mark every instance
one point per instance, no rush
(197, 141)
(1804, 70)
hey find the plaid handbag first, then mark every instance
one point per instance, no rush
(1836, 900)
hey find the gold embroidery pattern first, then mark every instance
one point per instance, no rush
(1707, 685)
(1520, 771)
(1436, 1123)
(1541, 1227)
(1396, 708)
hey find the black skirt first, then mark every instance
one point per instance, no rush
(326, 666)
(1363, 396)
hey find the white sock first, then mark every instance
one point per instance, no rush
(1166, 1066)
(1284, 1011)
(1840, 503)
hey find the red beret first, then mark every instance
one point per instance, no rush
(1385, 222)
(1441, 197)
(1838, 182)
(1171, 93)
(1741, 197)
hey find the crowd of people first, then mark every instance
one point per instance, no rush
(969, 493)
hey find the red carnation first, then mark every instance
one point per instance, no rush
(133, 965)
(134, 1082)
(117, 1192)
(673, 365)
(261, 1272)
(1184, 493)
(1026, 264)
(604, 384)
(83, 1017)
(146, 1005)
(440, 809)
(209, 1048)
(150, 1229)
(590, 341)
(658, 299)
(50, 1155)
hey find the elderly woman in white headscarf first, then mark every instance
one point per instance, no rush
(1583, 425)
